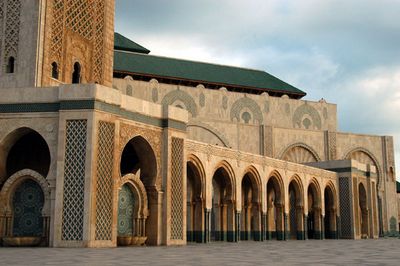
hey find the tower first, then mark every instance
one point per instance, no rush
(51, 42)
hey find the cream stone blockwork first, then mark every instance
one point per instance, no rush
(277, 112)
(19, 36)
(233, 120)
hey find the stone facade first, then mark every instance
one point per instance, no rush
(127, 162)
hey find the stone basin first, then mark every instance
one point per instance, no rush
(22, 241)
(138, 240)
(124, 241)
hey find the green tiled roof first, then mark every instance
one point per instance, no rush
(398, 186)
(127, 62)
(124, 44)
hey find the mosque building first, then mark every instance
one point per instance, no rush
(103, 144)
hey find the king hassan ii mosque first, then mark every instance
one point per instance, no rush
(103, 144)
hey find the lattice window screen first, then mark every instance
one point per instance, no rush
(177, 189)
(11, 36)
(345, 212)
(1, 25)
(105, 158)
(57, 31)
(79, 17)
(85, 18)
(74, 180)
(98, 41)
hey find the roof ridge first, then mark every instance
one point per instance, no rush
(196, 61)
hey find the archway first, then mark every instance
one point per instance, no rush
(195, 204)
(251, 211)
(330, 213)
(76, 74)
(364, 156)
(363, 211)
(10, 65)
(222, 212)
(314, 212)
(295, 219)
(54, 70)
(138, 160)
(275, 228)
(24, 148)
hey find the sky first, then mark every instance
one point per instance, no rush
(347, 52)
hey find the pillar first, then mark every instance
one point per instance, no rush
(207, 225)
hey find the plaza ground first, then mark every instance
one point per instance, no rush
(316, 252)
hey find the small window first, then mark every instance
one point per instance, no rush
(54, 70)
(10, 65)
(76, 75)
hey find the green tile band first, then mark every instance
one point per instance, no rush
(91, 105)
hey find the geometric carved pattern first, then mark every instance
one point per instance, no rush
(79, 17)
(306, 117)
(83, 18)
(98, 39)
(345, 211)
(28, 202)
(1, 26)
(268, 141)
(299, 153)
(125, 211)
(246, 103)
(57, 25)
(127, 132)
(177, 188)
(11, 36)
(104, 189)
(190, 105)
(74, 180)
(332, 145)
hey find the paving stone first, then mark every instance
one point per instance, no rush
(316, 252)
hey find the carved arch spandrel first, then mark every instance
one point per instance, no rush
(153, 137)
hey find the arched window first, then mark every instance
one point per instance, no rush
(10, 65)
(54, 70)
(76, 75)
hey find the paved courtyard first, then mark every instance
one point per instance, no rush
(325, 252)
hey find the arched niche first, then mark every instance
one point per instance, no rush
(275, 207)
(314, 211)
(330, 203)
(138, 154)
(251, 206)
(24, 148)
(295, 219)
(223, 198)
(195, 200)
